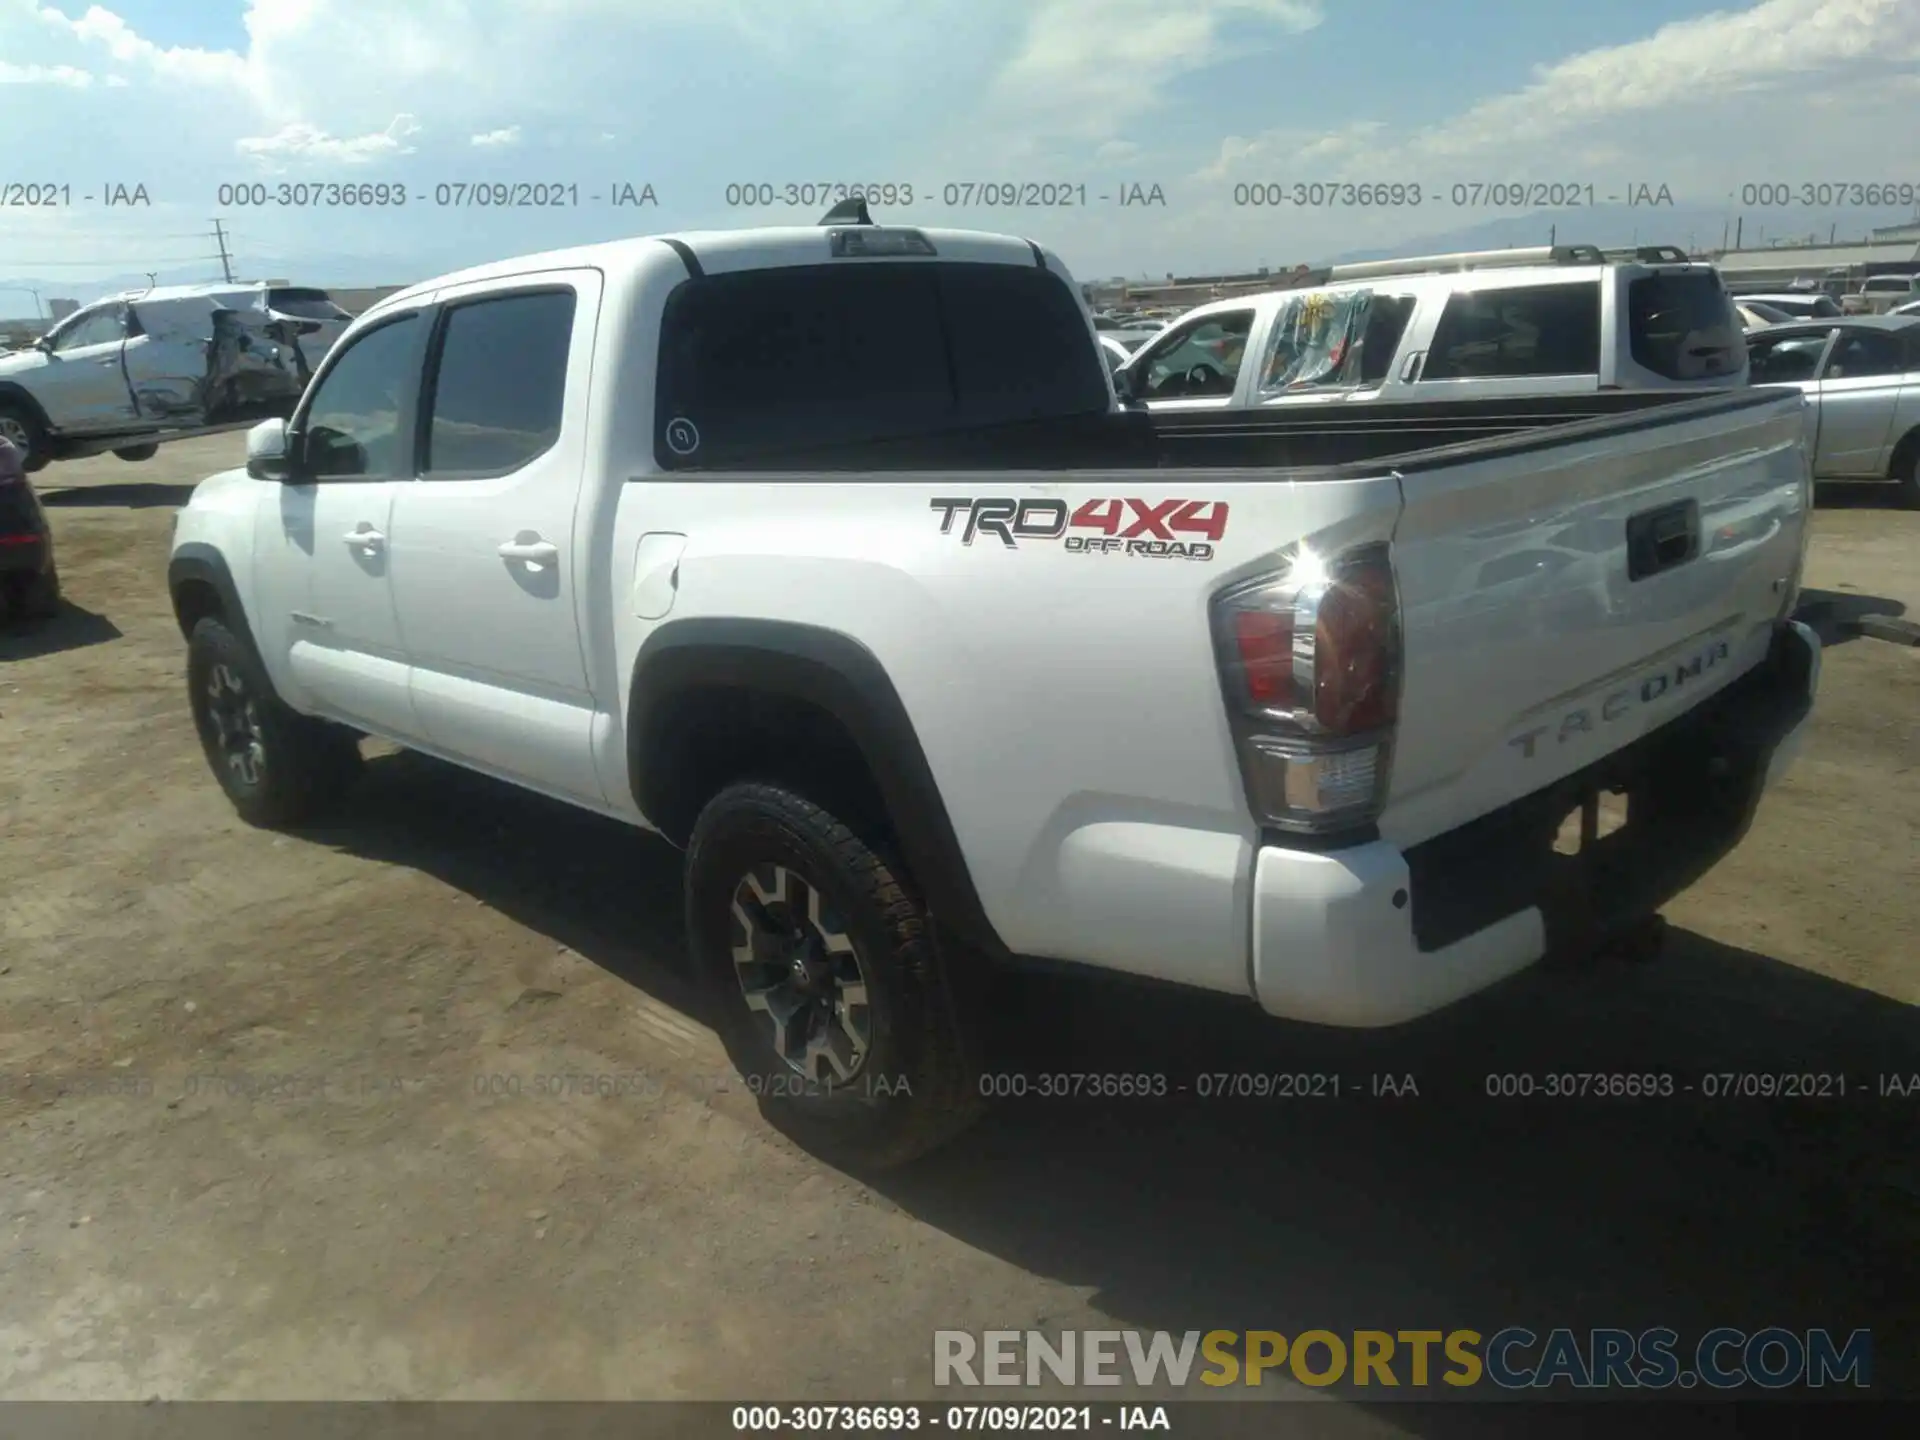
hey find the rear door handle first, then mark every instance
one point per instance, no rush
(532, 552)
(1410, 367)
(365, 538)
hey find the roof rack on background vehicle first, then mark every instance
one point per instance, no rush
(1490, 259)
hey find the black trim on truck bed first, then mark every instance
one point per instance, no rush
(1692, 787)
(1329, 442)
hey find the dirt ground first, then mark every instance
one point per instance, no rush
(260, 1135)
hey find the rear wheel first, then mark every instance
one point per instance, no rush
(19, 424)
(278, 767)
(836, 1002)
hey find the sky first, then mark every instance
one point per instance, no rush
(196, 110)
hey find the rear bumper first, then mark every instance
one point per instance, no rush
(1373, 935)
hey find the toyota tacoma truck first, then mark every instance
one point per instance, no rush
(932, 655)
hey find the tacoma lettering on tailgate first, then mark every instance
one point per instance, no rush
(1153, 529)
(1621, 702)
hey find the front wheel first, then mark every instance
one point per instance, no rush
(836, 1003)
(19, 424)
(277, 767)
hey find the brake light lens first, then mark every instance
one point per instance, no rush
(1309, 660)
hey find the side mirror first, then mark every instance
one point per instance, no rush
(1124, 382)
(270, 451)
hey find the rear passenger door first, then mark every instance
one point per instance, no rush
(1511, 340)
(489, 547)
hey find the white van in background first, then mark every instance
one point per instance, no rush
(1553, 320)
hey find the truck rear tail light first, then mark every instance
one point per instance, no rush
(1309, 660)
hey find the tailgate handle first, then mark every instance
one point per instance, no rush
(1662, 539)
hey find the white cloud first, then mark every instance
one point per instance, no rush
(301, 141)
(1696, 89)
(68, 75)
(1087, 67)
(495, 139)
(101, 32)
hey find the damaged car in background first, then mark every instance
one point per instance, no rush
(132, 372)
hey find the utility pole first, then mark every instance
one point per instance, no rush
(226, 263)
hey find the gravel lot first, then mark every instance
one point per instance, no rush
(258, 1135)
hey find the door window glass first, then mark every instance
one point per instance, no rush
(352, 426)
(500, 384)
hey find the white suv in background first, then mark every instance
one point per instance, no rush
(1556, 320)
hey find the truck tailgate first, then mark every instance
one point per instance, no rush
(1564, 593)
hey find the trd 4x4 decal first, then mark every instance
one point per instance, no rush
(1155, 529)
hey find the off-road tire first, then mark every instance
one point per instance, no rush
(304, 764)
(23, 416)
(919, 1085)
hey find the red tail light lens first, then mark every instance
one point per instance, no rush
(1309, 659)
(1354, 649)
(1265, 638)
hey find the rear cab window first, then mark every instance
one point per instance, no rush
(1681, 326)
(767, 363)
(1508, 332)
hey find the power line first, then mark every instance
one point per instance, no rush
(141, 264)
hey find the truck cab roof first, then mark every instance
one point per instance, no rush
(727, 251)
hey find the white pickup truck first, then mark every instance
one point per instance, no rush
(933, 656)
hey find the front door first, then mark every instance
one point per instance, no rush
(1859, 390)
(488, 548)
(82, 387)
(345, 654)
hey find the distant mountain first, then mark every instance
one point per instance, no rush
(1693, 226)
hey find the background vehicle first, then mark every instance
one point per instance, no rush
(1798, 305)
(1755, 313)
(29, 580)
(1861, 377)
(131, 372)
(768, 541)
(1880, 293)
(1912, 307)
(1563, 320)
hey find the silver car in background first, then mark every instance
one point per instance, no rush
(133, 371)
(1861, 377)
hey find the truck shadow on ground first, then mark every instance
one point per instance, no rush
(72, 629)
(134, 495)
(1423, 1203)
(1857, 495)
(1835, 615)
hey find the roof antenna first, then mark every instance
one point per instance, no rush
(851, 211)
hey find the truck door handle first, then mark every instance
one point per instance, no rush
(531, 552)
(367, 539)
(1410, 367)
(1662, 539)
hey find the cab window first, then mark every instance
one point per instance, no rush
(91, 327)
(1199, 361)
